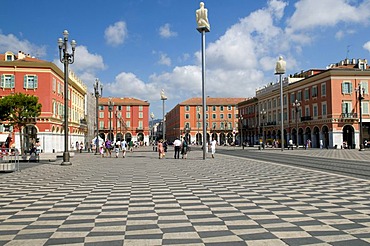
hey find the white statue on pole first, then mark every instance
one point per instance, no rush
(202, 17)
(280, 66)
(163, 96)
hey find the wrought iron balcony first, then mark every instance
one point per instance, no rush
(306, 118)
(349, 115)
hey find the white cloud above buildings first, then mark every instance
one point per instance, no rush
(166, 32)
(116, 34)
(11, 43)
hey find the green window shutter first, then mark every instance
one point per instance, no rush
(12, 85)
(344, 108)
(344, 88)
(25, 82)
(35, 82)
(350, 87)
(2, 81)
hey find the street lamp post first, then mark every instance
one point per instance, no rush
(98, 92)
(241, 131)
(296, 105)
(163, 98)
(152, 129)
(263, 113)
(110, 109)
(280, 69)
(361, 92)
(66, 58)
(203, 26)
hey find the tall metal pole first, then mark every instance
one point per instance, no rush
(164, 123)
(282, 113)
(66, 58)
(360, 105)
(97, 95)
(280, 69)
(204, 105)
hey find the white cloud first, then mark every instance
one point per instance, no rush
(164, 60)
(11, 43)
(116, 33)
(366, 46)
(165, 31)
(315, 13)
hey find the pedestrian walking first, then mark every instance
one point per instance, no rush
(108, 147)
(117, 147)
(213, 147)
(101, 149)
(161, 149)
(131, 146)
(81, 146)
(124, 148)
(184, 149)
(177, 146)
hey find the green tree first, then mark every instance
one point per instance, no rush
(18, 109)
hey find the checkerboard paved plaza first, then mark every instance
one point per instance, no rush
(141, 200)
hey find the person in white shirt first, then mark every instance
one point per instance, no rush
(177, 146)
(123, 147)
(213, 147)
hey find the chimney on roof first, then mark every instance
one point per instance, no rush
(21, 55)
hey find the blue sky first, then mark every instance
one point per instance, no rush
(138, 47)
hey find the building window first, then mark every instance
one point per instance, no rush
(346, 87)
(221, 108)
(128, 123)
(199, 125)
(274, 103)
(101, 107)
(221, 116)
(229, 107)
(187, 125)
(128, 108)
(365, 107)
(128, 115)
(292, 97)
(323, 89)
(140, 115)
(9, 58)
(30, 82)
(101, 124)
(307, 111)
(7, 81)
(101, 115)
(119, 107)
(229, 116)
(230, 125)
(299, 96)
(140, 124)
(206, 116)
(187, 116)
(307, 94)
(324, 109)
(214, 116)
(365, 86)
(119, 115)
(315, 111)
(214, 125)
(187, 108)
(222, 126)
(213, 108)
(140, 107)
(346, 107)
(314, 91)
(198, 116)
(54, 84)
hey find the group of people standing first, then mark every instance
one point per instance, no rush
(119, 146)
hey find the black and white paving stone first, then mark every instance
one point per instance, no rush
(143, 200)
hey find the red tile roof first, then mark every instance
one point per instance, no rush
(213, 101)
(123, 101)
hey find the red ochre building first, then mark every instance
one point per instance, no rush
(328, 109)
(124, 118)
(21, 73)
(185, 120)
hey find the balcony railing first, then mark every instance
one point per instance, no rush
(306, 118)
(349, 115)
